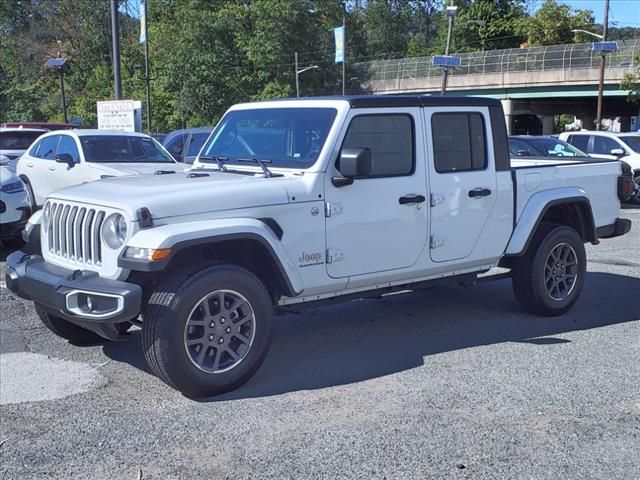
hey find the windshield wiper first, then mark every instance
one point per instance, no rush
(262, 164)
(219, 160)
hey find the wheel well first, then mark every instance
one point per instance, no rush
(244, 252)
(576, 215)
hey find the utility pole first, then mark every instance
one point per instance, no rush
(451, 13)
(297, 81)
(344, 28)
(115, 37)
(146, 67)
(605, 29)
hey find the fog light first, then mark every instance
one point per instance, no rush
(94, 305)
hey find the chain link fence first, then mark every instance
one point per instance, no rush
(536, 59)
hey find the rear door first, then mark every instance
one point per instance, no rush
(462, 179)
(40, 168)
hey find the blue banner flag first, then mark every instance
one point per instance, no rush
(143, 22)
(338, 33)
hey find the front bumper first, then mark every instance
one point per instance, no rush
(11, 229)
(80, 297)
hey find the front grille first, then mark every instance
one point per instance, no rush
(74, 233)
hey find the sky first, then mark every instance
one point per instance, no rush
(622, 13)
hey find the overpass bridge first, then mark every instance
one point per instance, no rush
(544, 81)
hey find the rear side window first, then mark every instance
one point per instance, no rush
(47, 149)
(68, 145)
(604, 145)
(197, 140)
(579, 141)
(390, 139)
(459, 142)
(175, 145)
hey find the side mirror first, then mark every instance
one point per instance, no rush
(354, 163)
(65, 158)
(618, 152)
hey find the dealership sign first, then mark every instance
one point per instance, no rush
(124, 115)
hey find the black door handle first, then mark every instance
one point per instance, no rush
(479, 192)
(411, 199)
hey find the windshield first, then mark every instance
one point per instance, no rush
(17, 140)
(632, 141)
(284, 137)
(122, 149)
(551, 147)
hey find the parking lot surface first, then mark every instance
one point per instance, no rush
(448, 382)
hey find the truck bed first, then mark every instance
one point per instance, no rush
(593, 178)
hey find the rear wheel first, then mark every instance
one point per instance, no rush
(548, 279)
(67, 330)
(207, 332)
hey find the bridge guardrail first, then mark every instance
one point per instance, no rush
(534, 59)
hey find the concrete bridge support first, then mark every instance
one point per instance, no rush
(547, 124)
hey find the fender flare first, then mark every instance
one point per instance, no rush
(535, 210)
(181, 236)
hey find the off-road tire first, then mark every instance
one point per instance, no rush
(62, 328)
(165, 316)
(528, 272)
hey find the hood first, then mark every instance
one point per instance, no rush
(178, 194)
(120, 169)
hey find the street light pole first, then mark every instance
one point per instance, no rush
(451, 13)
(605, 29)
(64, 102)
(115, 38)
(146, 67)
(299, 71)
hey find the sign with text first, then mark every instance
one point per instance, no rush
(118, 115)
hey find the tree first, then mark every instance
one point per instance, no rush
(552, 23)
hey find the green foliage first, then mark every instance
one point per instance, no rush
(552, 23)
(206, 55)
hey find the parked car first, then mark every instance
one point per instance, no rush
(14, 208)
(542, 146)
(61, 159)
(14, 142)
(610, 146)
(41, 125)
(185, 144)
(306, 201)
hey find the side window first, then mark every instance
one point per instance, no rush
(34, 150)
(47, 148)
(175, 146)
(390, 139)
(579, 141)
(604, 145)
(459, 142)
(197, 140)
(68, 145)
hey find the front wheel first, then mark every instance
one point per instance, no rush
(207, 332)
(548, 279)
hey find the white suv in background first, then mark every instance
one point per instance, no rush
(14, 142)
(611, 146)
(63, 159)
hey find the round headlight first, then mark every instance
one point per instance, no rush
(46, 216)
(114, 231)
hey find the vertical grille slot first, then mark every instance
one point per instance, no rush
(74, 233)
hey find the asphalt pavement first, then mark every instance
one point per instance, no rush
(445, 383)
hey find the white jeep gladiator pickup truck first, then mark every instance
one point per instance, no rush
(295, 202)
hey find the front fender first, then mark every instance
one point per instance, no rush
(183, 235)
(535, 209)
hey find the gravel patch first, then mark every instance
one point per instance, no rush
(32, 377)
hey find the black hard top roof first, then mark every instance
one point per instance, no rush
(381, 101)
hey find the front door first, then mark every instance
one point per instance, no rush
(379, 223)
(462, 180)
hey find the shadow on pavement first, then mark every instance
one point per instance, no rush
(366, 339)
